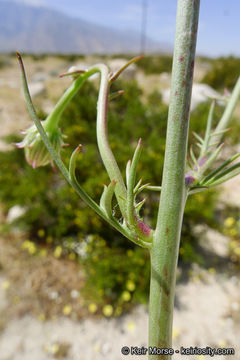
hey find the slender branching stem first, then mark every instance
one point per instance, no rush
(227, 115)
(70, 175)
(103, 142)
(131, 183)
(164, 252)
(205, 146)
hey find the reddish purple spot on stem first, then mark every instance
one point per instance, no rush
(189, 179)
(192, 68)
(144, 228)
(165, 272)
(181, 59)
(176, 93)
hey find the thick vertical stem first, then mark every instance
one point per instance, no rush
(164, 253)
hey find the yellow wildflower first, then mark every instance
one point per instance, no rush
(212, 271)
(229, 222)
(72, 256)
(237, 251)
(92, 308)
(41, 233)
(67, 309)
(118, 311)
(131, 326)
(58, 251)
(43, 252)
(107, 310)
(175, 333)
(126, 296)
(233, 232)
(130, 285)
(42, 317)
(5, 285)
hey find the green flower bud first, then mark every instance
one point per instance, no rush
(36, 152)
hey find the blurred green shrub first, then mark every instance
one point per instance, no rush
(224, 73)
(117, 272)
(5, 61)
(155, 64)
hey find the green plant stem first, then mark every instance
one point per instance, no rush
(103, 143)
(70, 177)
(204, 148)
(130, 190)
(164, 252)
(227, 115)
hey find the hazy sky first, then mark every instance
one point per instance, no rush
(219, 24)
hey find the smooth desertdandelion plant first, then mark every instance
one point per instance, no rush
(181, 176)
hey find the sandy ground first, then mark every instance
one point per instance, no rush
(207, 309)
(203, 317)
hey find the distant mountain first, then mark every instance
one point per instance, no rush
(42, 30)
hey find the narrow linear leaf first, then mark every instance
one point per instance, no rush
(189, 164)
(72, 73)
(199, 145)
(116, 74)
(223, 173)
(193, 171)
(208, 129)
(153, 188)
(139, 206)
(197, 189)
(225, 178)
(198, 137)
(217, 133)
(106, 198)
(115, 95)
(131, 183)
(211, 159)
(72, 162)
(137, 186)
(212, 145)
(142, 188)
(231, 105)
(194, 160)
(128, 171)
(216, 171)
